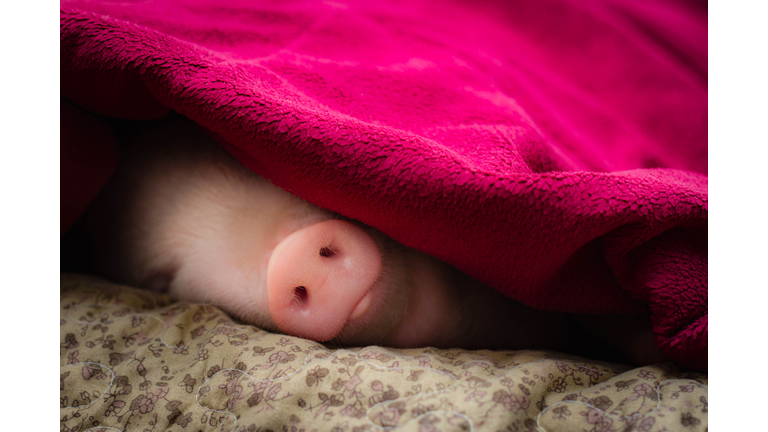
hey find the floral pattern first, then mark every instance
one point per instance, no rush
(133, 360)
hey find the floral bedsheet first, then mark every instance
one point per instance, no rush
(133, 360)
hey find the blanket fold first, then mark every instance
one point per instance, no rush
(570, 184)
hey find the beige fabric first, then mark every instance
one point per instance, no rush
(133, 360)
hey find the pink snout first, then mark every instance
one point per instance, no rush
(320, 277)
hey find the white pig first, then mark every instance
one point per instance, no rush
(183, 216)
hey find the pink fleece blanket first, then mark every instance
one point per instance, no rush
(553, 149)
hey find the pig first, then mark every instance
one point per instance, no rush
(182, 216)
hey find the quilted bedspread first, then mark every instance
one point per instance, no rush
(132, 360)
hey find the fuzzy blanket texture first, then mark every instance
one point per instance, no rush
(555, 150)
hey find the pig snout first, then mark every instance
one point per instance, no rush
(321, 277)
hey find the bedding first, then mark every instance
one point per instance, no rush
(554, 150)
(132, 359)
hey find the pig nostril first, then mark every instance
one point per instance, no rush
(300, 296)
(337, 264)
